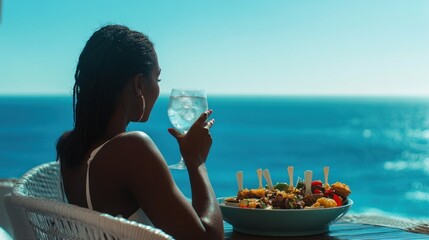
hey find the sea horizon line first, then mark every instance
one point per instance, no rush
(241, 95)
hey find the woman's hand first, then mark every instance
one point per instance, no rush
(195, 144)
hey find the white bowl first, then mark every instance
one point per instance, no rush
(282, 222)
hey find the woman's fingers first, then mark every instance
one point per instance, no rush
(202, 119)
(174, 132)
(201, 122)
(196, 143)
(209, 124)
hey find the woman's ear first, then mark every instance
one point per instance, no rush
(138, 84)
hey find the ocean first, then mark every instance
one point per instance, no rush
(378, 146)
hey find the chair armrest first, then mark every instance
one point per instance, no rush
(18, 218)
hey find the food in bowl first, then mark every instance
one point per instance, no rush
(283, 196)
(283, 209)
(282, 222)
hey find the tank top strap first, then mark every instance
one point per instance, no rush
(95, 151)
(91, 157)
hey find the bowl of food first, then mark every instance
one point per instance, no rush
(284, 210)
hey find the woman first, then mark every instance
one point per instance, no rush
(107, 169)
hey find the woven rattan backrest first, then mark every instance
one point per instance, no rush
(42, 181)
(37, 193)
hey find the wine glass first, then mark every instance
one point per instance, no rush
(184, 108)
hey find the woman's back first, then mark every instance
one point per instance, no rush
(105, 180)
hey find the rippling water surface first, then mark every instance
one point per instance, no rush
(378, 146)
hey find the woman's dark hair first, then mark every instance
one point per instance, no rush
(110, 58)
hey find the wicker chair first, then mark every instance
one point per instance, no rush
(37, 193)
(22, 229)
(6, 186)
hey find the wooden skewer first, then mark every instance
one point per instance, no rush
(239, 176)
(268, 178)
(308, 175)
(259, 172)
(290, 173)
(326, 173)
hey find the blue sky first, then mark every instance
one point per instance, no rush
(333, 47)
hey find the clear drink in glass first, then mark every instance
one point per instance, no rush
(184, 108)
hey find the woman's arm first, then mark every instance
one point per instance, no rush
(151, 183)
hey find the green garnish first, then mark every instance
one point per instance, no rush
(281, 186)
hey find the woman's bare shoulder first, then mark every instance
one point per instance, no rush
(137, 147)
(135, 141)
(141, 161)
(133, 135)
